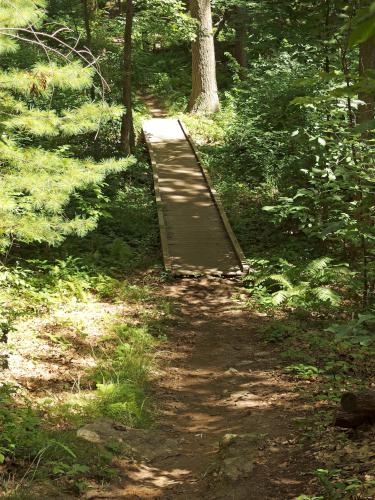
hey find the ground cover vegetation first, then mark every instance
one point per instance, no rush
(288, 140)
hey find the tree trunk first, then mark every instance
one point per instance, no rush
(87, 19)
(4, 357)
(326, 35)
(365, 114)
(241, 28)
(87, 9)
(127, 126)
(366, 64)
(204, 95)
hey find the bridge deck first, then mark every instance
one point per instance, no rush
(196, 236)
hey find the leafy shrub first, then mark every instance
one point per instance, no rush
(302, 371)
(20, 427)
(358, 331)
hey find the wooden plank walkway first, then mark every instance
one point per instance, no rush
(195, 234)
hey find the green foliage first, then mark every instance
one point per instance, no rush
(19, 433)
(37, 182)
(42, 434)
(335, 355)
(291, 164)
(277, 289)
(122, 376)
(364, 25)
(177, 24)
(356, 331)
(336, 487)
(127, 233)
(302, 371)
(19, 13)
(26, 437)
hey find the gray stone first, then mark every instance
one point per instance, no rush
(88, 435)
(237, 455)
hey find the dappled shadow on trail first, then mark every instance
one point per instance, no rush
(218, 379)
(195, 237)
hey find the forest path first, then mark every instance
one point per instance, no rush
(195, 234)
(218, 378)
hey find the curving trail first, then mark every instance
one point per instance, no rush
(226, 425)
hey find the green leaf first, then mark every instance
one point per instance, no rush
(363, 31)
(321, 141)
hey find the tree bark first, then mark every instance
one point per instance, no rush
(4, 358)
(127, 127)
(87, 19)
(241, 28)
(204, 95)
(366, 63)
(365, 114)
(87, 10)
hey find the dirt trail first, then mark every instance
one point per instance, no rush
(218, 379)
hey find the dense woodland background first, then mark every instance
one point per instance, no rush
(288, 140)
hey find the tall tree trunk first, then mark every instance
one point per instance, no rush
(241, 20)
(326, 34)
(87, 19)
(366, 64)
(204, 95)
(87, 10)
(366, 113)
(127, 126)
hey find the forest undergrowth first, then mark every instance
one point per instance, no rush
(83, 349)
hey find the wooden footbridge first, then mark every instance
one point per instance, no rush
(196, 236)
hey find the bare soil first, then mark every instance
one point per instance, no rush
(226, 428)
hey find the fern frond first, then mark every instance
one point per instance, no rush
(261, 279)
(282, 280)
(279, 297)
(317, 266)
(326, 295)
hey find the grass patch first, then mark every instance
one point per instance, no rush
(122, 375)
